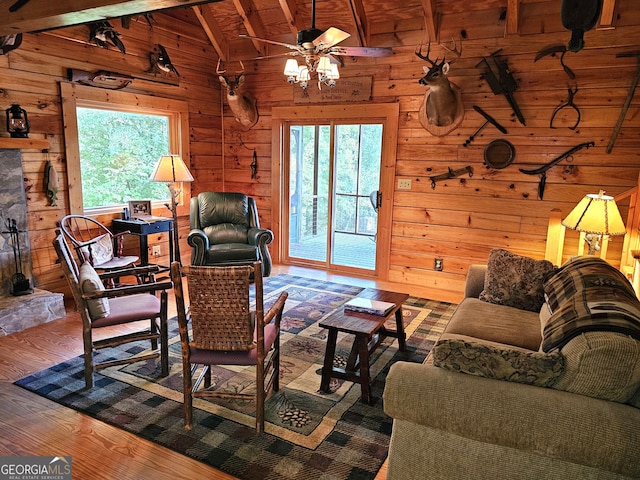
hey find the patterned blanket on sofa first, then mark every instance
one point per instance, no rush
(588, 294)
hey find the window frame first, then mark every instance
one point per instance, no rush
(74, 95)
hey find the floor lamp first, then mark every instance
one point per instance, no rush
(171, 169)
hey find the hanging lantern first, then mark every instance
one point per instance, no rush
(17, 122)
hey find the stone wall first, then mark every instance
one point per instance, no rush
(13, 206)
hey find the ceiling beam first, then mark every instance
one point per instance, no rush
(290, 10)
(252, 22)
(606, 17)
(360, 20)
(430, 19)
(38, 15)
(213, 31)
(513, 17)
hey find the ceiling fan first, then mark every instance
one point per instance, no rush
(314, 44)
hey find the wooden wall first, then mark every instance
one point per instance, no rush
(461, 219)
(31, 74)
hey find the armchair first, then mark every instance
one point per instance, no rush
(225, 231)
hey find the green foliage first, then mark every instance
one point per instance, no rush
(358, 149)
(118, 151)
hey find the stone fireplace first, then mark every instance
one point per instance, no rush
(18, 312)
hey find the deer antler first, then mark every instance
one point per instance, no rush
(218, 71)
(425, 57)
(455, 51)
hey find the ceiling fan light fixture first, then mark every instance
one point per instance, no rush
(291, 70)
(324, 66)
(333, 73)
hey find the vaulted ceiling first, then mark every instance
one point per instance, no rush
(224, 20)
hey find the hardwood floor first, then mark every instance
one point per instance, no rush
(31, 425)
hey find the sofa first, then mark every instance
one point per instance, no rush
(536, 376)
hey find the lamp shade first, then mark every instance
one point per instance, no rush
(596, 213)
(291, 68)
(171, 168)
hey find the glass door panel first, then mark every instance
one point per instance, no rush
(334, 172)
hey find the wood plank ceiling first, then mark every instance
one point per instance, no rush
(259, 17)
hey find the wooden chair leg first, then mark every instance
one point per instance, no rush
(88, 358)
(260, 396)
(188, 395)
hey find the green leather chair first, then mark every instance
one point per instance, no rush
(225, 231)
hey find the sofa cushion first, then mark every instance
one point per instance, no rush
(500, 363)
(496, 323)
(90, 282)
(515, 280)
(588, 294)
(603, 365)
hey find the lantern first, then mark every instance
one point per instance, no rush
(17, 122)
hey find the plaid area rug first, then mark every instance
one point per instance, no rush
(308, 434)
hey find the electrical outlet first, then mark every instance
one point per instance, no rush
(155, 250)
(437, 264)
(404, 184)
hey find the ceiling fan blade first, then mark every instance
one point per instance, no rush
(361, 51)
(275, 55)
(273, 42)
(330, 37)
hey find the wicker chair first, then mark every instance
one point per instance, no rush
(226, 332)
(100, 307)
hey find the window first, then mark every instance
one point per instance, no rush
(113, 141)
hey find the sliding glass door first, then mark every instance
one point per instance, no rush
(333, 193)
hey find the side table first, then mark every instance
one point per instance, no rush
(144, 228)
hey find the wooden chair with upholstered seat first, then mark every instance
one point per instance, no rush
(100, 308)
(226, 331)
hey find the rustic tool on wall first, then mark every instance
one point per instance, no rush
(21, 285)
(499, 154)
(488, 119)
(553, 50)
(542, 171)
(254, 164)
(568, 104)
(579, 16)
(496, 73)
(451, 174)
(627, 102)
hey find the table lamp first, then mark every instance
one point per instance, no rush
(172, 169)
(596, 215)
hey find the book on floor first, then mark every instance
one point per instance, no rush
(366, 305)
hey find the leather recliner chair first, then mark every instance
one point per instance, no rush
(225, 231)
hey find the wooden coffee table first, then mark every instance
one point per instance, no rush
(369, 331)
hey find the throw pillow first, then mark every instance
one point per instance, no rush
(101, 250)
(90, 282)
(603, 365)
(515, 280)
(482, 360)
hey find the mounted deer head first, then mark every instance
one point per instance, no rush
(442, 103)
(242, 105)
